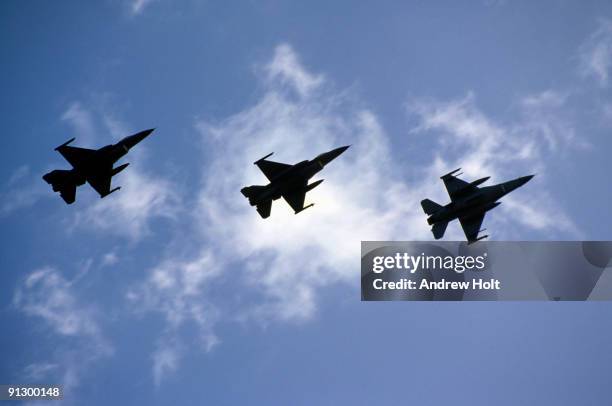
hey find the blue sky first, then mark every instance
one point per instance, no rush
(173, 290)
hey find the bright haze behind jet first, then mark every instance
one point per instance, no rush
(94, 166)
(287, 181)
(469, 204)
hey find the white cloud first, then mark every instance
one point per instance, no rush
(130, 211)
(40, 370)
(279, 264)
(82, 123)
(20, 173)
(291, 256)
(138, 6)
(285, 68)
(596, 53)
(47, 295)
(165, 361)
(110, 258)
(546, 116)
(22, 190)
(371, 192)
(178, 291)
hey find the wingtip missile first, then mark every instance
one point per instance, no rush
(119, 169)
(261, 159)
(451, 173)
(480, 181)
(478, 239)
(66, 143)
(314, 185)
(112, 191)
(304, 208)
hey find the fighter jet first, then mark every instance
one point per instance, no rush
(469, 204)
(93, 166)
(287, 181)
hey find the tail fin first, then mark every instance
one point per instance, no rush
(430, 207)
(64, 182)
(439, 229)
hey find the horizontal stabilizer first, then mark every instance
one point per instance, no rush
(264, 209)
(439, 229)
(252, 193)
(429, 206)
(65, 182)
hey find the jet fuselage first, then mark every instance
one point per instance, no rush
(295, 178)
(110, 154)
(481, 201)
(93, 166)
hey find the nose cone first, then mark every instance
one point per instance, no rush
(524, 179)
(131, 140)
(329, 156)
(517, 183)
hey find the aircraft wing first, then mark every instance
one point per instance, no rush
(101, 183)
(77, 157)
(101, 180)
(296, 199)
(271, 169)
(456, 187)
(471, 226)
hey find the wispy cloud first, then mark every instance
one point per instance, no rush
(165, 361)
(290, 257)
(280, 264)
(40, 370)
(82, 123)
(178, 290)
(595, 54)
(138, 6)
(109, 259)
(47, 295)
(285, 68)
(23, 189)
(129, 212)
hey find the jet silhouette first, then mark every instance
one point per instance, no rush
(469, 204)
(287, 181)
(92, 166)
